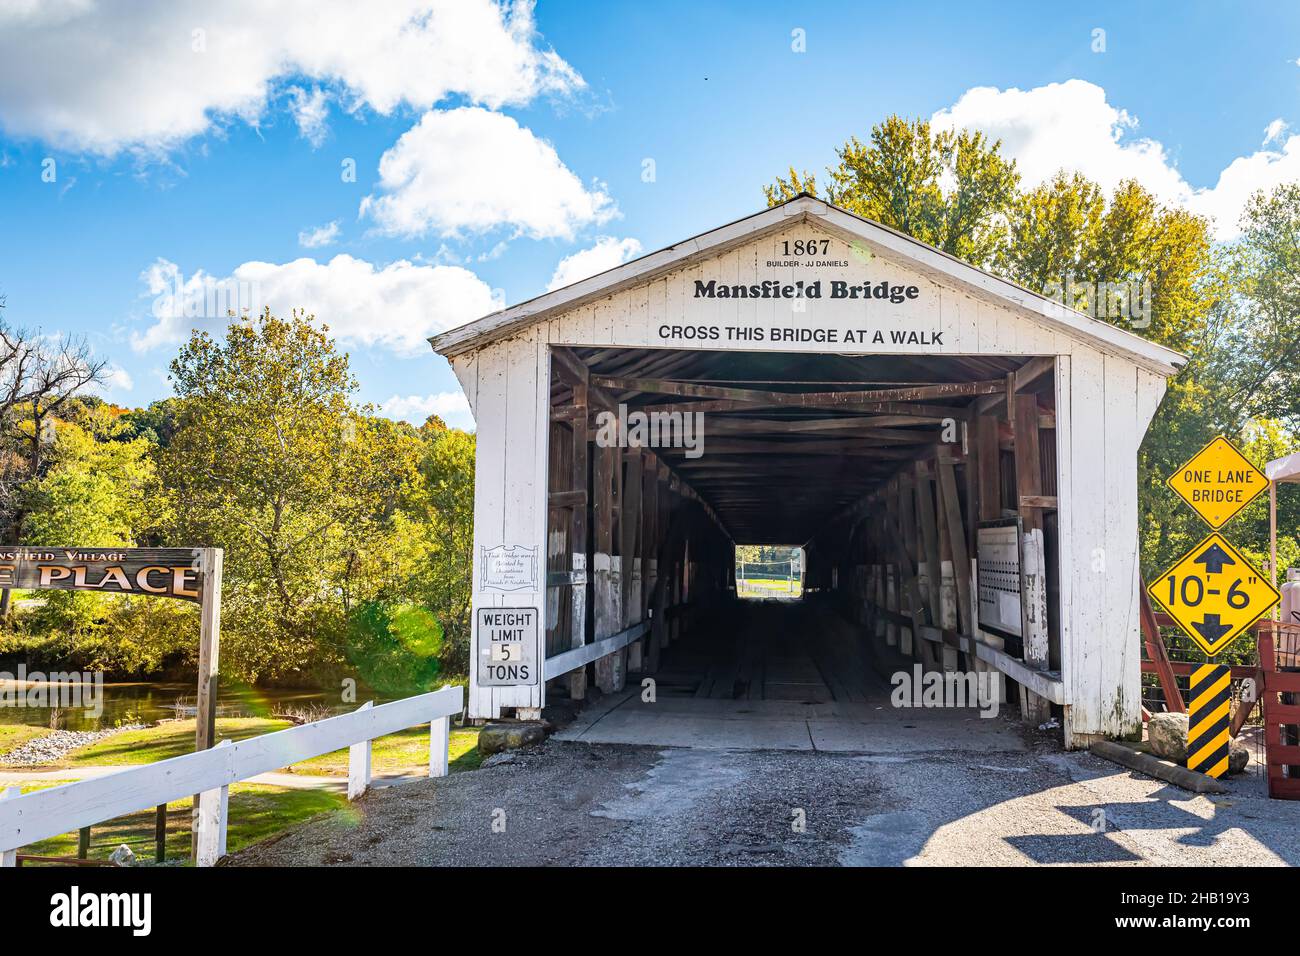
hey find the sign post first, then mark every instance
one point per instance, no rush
(186, 574)
(1208, 720)
(1213, 593)
(205, 712)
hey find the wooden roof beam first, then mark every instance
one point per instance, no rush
(841, 399)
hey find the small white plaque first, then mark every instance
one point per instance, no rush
(508, 567)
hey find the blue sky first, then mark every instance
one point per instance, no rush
(190, 140)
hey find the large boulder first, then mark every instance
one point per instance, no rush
(494, 738)
(1238, 757)
(1167, 736)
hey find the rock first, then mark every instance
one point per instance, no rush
(123, 856)
(494, 738)
(1167, 736)
(55, 745)
(1238, 757)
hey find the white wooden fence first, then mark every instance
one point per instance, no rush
(27, 818)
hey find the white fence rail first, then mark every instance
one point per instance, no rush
(42, 814)
(571, 660)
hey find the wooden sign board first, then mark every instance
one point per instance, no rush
(158, 572)
(999, 584)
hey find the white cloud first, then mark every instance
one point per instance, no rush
(471, 170)
(151, 74)
(451, 407)
(396, 306)
(1275, 129)
(311, 112)
(320, 236)
(607, 253)
(115, 380)
(1071, 126)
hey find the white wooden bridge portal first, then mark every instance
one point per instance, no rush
(956, 454)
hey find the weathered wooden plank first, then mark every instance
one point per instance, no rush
(988, 476)
(837, 399)
(629, 536)
(1033, 559)
(580, 556)
(605, 584)
(925, 511)
(951, 527)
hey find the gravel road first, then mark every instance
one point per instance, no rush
(573, 804)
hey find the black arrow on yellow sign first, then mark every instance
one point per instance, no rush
(1210, 628)
(1214, 558)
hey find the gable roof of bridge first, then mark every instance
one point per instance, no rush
(889, 243)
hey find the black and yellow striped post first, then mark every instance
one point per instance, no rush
(1208, 717)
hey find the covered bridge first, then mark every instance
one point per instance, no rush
(956, 455)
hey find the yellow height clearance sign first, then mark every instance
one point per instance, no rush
(1218, 482)
(1214, 594)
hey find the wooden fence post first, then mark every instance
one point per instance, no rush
(214, 807)
(160, 833)
(359, 762)
(439, 745)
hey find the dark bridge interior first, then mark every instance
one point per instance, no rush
(882, 467)
(792, 440)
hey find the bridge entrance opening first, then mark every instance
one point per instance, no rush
(769, 571)
(686, 475)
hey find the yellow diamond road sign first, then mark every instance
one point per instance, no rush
(1214, 594)
(1218, 482)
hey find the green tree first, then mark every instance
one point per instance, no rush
(1265, 343)
(96, 492)
(448, 479)
(271, 461)
(949, 188)
(1234, 310)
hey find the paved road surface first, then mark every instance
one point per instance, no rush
(572, 804)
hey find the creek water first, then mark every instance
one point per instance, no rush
(149, 701)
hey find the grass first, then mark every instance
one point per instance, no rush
(15, 735)
(172, 738)
(406, 752)
(256, 813)
(766, 586)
